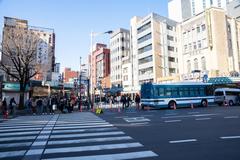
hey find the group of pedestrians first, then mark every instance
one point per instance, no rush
(124, 101)
(5, 107)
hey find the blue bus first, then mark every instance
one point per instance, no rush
(182, 94)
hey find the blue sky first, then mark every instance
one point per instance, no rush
(73, 20)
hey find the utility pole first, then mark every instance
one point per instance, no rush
(80, 79)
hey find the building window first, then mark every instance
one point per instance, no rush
(170, 38)
(145, 38)
(203, 62)
(193, 7)
(171, 59)
(169, 27)
(146, 71)
(195, 64)
(144, 27)
(172, 70)
(199, 44)
(198, 29)
(203, 27)
(170, 48)
(185, 48)
(219, 3)
(145, 60)
(204, 4)
(145, 49)
(189, 66)
(194, 45)
(190, 46)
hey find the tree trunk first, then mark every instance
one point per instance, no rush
(21, 96)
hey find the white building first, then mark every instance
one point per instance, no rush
(154, 49)
(208, 45)
(179, 10)
(120, 59)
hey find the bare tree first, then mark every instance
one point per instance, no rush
(19, 51)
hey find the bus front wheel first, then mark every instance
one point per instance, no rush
(204, 103)
(172, 104)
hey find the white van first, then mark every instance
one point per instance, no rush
(227, 95)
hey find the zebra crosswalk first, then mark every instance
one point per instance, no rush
(80, 136)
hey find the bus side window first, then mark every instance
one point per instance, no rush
(161, 91)
(181, 92)
(186, 92)
(201, 92)
(174, 91)
(168, 92)
(156, 91)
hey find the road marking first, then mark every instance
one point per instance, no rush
(92, 148)
(84, 130)
(139, 123)
(197, 115)
(20, 129)
(19, 133)
(17, 138)
(230, 117)
(81, 127)
(131, 155)
(171, 114)
(21, 144)
(193, 112)
(183, 141)
(12, 154)
(202, 119)
(230, 137)
(87, 134)
(89, 140)
(83, 124)
(136, 119)
(170, 121)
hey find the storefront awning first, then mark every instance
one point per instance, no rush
(224, 80)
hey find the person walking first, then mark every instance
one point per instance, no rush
(137, 101)
(123, 100)
(34, 106)
(51, 103)
(4, 108)
(12, 105)
(40, 105)
(128, 101)
(45, 105)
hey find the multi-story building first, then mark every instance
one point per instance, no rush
(70, 76)
(120, 58)
(100, 66)
(208, 45)
(45, 52)
(180, 10)
(57, 67)
(154, 49)
(233, 9)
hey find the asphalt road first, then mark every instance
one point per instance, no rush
(200, 133)
(211, 133)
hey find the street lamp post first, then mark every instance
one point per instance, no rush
(80, 84)
(92, 35)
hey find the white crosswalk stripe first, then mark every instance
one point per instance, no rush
(83, 135)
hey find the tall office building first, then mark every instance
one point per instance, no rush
(100, 66)
(45, 52)
(180, 10)
(203, 50)
(154, 49)
(120, 58)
